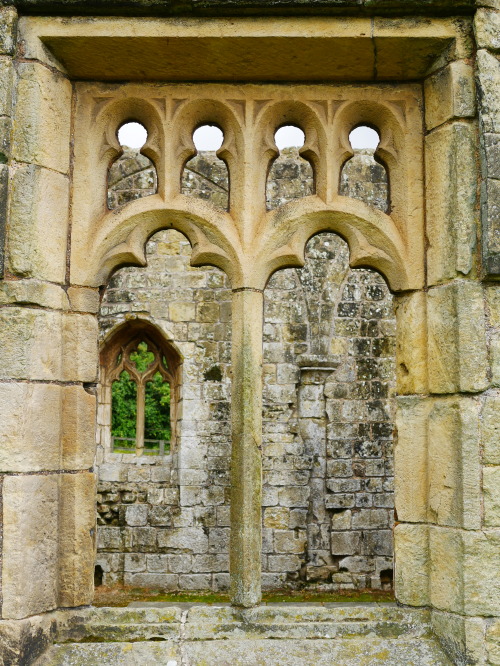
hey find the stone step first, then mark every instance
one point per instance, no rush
(198, 622)
(366, 651)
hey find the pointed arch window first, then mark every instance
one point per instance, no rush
(141, 372)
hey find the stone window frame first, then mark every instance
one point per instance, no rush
(124, 340)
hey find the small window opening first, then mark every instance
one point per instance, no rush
(205, 176)
(291, 176)
(362, 176)
(98, 576)
(386, 579)
(142, 395)
(133, 175)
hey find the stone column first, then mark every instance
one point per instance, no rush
(246, 460)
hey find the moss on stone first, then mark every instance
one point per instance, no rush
(122, 596)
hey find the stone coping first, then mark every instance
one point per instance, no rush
(242, 7)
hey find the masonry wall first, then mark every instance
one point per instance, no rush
(328, 414)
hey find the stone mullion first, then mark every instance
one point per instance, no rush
(246, 459)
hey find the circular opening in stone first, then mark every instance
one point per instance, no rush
(364, 138)
(289, 136)
(208, 137)
(133, 135)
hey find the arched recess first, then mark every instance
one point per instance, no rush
(372, 236)
(191, 116)
(363, 176)
(121, 237)
(329, 360)
(290, 175)
(296, 114)
(396, 151)
(132, 175)
(103, 147)
(191, 307)
(206, 176)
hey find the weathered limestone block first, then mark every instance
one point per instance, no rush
(446, 567)
(6, 76)
(487, 28)
(48, 345)
(277, 517)
(38, 229)
(136, 515)
(411, 343)
(23, 641)
(462, 637)
(33, 292)
(451, 201)
(488, 82)
(490, 430)
(30, 545)
(4, 194)
(493, 4)
(8, 26)
(78, 409)
(412, 566)
(31, 340)
(493, 311)
(480, 572)
(493, 642)
(410, 459)
(191, 538)
(457, 338)
(449, 94)
(491, 490)
(5, 125)
(491, 148)
(454, 470)
(46, 427)
(490, 214)
(42, 119)
(76, 539)
(83, 299)
(80, 350)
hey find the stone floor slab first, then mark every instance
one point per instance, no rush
(347, 652)
(112, 654)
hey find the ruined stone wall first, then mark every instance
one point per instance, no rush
(328, 381)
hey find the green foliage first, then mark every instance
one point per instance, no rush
(157, 411)
(124, 405)
(142, 358)
(157, 402)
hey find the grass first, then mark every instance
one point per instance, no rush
(122, 596)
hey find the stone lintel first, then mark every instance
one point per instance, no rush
(236, 49)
